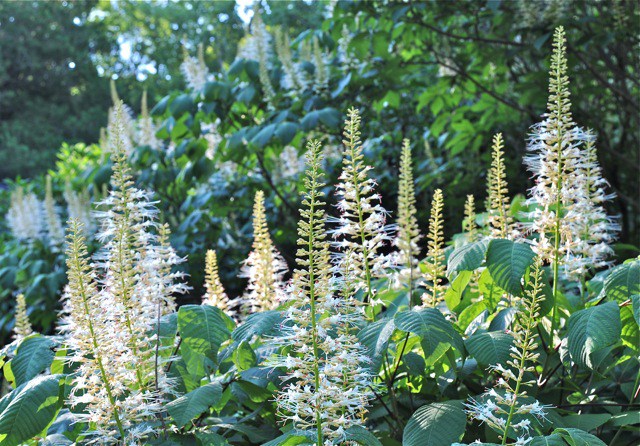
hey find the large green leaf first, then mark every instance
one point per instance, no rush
(361, 436)
(202, 329)
(292, 438)
(258, 324)
(585, 421)
(593, 329)
(467, 257)
(635, 305)
(436, 333)
(507, 262)
(576, 437)
(490, 291)
(194, 403)
(29, 409)
(243, 356)
(490, 348)
(623, 281)
(549, 440)
(34, 356)
(436, 424)
(453, 295)
(375, 337)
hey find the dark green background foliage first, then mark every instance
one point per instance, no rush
(445, 74)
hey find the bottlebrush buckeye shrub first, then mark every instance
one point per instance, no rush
(510, 333)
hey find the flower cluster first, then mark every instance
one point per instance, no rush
(25, 216)
(55, 232)
(469, 224)
(258, 47)
(435, 268)
(593, 230)
(265, 267)
(112, 308)
(121, 129)
(408, 234)
(79, 207)
(361, 230)
(328, 385)
(294, 76)
(569, 189)
(194, 69)
(22, 327)
(146, 135)
(508, 409)
(215, 294)
(498, 206)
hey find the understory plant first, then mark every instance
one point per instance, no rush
(517, 331)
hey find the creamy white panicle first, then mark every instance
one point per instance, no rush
(146, 134)
(327, 387)
(265, 268)
(25, 217)
(194, 69)
(361, 227)
(112, 309)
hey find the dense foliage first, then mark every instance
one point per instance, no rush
(512, 324)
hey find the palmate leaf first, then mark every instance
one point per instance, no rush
(591, 330)
(194, 403)
(35, 355)
(436, 424)
(258, 324)
(436, 333)
(467, 258)
(577, 437)
(490, 348)
(507, 262)
(549, 440)
(375, 337)
(623, 281)
(29, 409)
(203, 329)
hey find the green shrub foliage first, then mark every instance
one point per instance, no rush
(512, 326)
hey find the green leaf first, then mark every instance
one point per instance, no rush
(286, 131)
(623, 281)
(436, 333)
(576, 437)
(29, 409)
(194, 403)
(375, 337)
(507, 262)
(635, 304)
(263, 137)
(490, 291)
(453, 295)
(591, 330)
(291, 438)
(585, 421)
(202, 329)
(362, 436)
(490, 348)
(436, 424)
(549, 440)
(35, 355)
(243, 356)
(181, 104)
(467, 257)
(258, 324)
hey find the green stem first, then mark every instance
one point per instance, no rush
(314, 329)
(556, 235)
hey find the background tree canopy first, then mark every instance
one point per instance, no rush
(445, 75)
